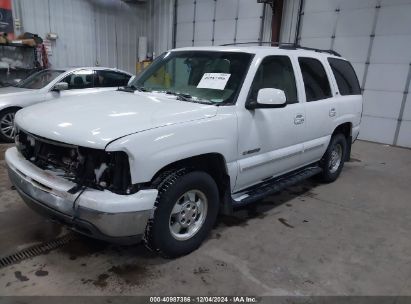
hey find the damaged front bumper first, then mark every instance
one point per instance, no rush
(99, 214)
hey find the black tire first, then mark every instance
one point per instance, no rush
(158, 236)
(330, 173)
(4, 115)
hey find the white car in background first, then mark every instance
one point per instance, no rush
(51, 84)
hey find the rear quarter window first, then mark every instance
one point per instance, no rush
(345, 76)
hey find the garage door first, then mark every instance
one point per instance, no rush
(216, 22)
(376, 37)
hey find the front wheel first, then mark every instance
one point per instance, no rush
(185, 211)
(333, 159)
(7, 129)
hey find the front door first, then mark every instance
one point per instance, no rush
(79, 82)
(271, 140)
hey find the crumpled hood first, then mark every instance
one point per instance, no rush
(94, 120)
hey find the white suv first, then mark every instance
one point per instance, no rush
(201, 131)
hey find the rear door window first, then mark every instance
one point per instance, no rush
(316, 83)
(106, 79)
(345, 76)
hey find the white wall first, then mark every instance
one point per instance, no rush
(216, 22)
(118, 26)
(160, 25)
(105, 32)
(91, 32)
(289, 20)
(207, 22)
(375, 35)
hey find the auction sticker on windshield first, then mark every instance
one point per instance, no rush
(216, 81)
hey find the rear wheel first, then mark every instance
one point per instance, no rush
(185, 211)
(7, 129)
(333, 159)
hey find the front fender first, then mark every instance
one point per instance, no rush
(5, 105)
(150, 151)
(19, 101)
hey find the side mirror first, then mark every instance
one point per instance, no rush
(269, 98)
(61, 86)
(130, 81)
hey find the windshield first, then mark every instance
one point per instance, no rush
(39, 79)
(200, 75)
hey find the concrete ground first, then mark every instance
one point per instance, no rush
(351, 237)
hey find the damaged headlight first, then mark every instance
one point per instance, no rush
(103, 170)
(88, 167)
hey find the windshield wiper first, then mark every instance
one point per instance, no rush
(180, 96)
(132, 88)
(188, 97)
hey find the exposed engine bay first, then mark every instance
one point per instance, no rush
(86, 167)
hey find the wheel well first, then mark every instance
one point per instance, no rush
(344, 129)
(212, 163)
(11, 108)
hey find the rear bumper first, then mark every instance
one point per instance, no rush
(99, 214)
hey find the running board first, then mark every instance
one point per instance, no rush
(273, 185)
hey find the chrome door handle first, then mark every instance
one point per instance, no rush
(332, 112)
(299, 119)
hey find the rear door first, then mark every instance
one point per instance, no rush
(348, 102)
(320, 107)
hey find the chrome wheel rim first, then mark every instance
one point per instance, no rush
(7, 125)
(188, 215)
(335, 159)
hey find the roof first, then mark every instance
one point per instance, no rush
(99, 68)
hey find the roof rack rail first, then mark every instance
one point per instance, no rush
(332, 52)
(259, 42)
(285, 45)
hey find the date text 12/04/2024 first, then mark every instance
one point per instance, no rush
(206, 299)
